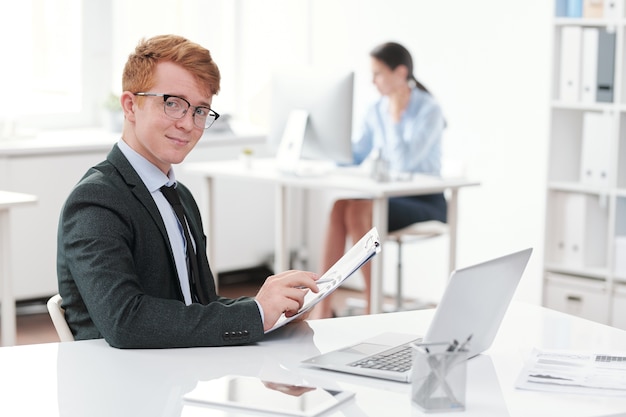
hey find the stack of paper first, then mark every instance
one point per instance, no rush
(574, 372)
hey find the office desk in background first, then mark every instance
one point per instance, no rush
(90, 378)
(8, 201)
(265, 170)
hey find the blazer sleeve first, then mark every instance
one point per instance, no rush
(118, 280)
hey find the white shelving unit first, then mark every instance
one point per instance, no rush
(585, 250)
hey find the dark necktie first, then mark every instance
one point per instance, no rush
(197, 293)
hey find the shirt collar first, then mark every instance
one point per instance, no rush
(151, 176)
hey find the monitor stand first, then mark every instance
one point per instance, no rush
(290, 147)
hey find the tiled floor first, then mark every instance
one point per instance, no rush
(34, 324)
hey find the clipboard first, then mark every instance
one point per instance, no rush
(350, 262)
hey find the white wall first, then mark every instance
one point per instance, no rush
(487, 61)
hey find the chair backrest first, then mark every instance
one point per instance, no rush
(57, 314)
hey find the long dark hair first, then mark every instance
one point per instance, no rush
(393, 54)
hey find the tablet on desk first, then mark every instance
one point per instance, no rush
(350, 262)
(253, 394)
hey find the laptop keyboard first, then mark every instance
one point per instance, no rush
(397, 359)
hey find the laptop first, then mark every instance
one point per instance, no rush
(473, 304)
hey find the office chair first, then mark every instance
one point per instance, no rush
(451, 167)
(57, 314)
(416, 231)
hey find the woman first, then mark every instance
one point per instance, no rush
(403, 127)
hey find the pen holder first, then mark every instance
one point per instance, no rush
(439, 378)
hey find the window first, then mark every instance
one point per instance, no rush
(63, 58)
(42, 73)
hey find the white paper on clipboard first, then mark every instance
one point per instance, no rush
(350, 262)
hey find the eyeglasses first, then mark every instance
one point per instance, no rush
(177, 107)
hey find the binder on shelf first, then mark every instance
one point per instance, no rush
(571, 39)
(606, 66)
(595, 149)
(613, 9)
(561, 8)
(568, 231)
(589, 71)
(593, 9)
(579, 231)
(574, 8)
(619, 263)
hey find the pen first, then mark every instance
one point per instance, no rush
(325, 280)
(320, 281)
(453, 346)
(465, 343)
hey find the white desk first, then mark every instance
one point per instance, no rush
(264, 170)
(8, 200)
(90, 378)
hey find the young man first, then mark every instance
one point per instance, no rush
(125, 268)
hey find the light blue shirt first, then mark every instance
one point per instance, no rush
(154, 179)
(411, 145)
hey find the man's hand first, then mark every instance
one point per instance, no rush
(284, 293)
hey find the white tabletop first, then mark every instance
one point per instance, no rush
(329, 177)
(89, 378)
(265, 169)
(11, 199)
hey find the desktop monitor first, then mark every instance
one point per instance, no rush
(327, 99)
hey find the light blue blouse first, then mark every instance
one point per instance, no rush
(411, 145)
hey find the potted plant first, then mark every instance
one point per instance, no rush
(114, 116)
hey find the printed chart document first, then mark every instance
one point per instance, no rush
(352, 260)
(574, 372)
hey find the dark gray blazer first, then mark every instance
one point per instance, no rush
(117, 275)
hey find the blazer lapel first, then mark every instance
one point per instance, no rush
(137, 187)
